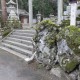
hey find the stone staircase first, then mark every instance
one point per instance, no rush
(19, 42)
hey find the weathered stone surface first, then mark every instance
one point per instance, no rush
(63, 48)
(79, 76)
(56, 47)
(60, 74)
(56, 72)
(74, 75)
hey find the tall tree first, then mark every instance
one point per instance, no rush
(45, 7)
(4, 11)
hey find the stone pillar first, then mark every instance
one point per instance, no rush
(73, 14)
(4, 11)
(60, 11)
(17, 8)
(30, 13)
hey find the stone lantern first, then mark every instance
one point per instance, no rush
(52, 17)
(12, 16)
(11, 5)
(12, 8)
(38, 17)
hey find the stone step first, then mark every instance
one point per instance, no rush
(23, 46)
(23, 34)
(18, 49)
(19, 40)
(26, 31)
(21, 37)
(14, 52)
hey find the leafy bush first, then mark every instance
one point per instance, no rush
(15, 24)
(6, 32)
(73, 39)
(65, 23)
(48, 24)
(78, 18)
(8, 26)
(52, 29)
(5, 28)
(72, 36)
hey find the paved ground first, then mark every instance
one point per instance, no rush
(14, 68)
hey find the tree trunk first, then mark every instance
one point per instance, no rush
(4, 11)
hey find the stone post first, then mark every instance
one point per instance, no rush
(17, 8)
(60, 11)
(73, 14)
(30, 13)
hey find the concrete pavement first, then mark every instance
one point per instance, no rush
(14, 68)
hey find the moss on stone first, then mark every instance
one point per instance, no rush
(70, 66)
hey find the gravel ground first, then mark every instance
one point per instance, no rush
(14, 68)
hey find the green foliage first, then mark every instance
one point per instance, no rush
(51, 39)
(72, 36)
(78, 18)
(36, 38)
(52, 29)
(71, 65)
(65, 23)
(79, 7)
(11, 24)
(73, 39)
(6, 27)
(15, 24)
(56, 33)
(48, 24)
(45, 7)
(5, 32)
